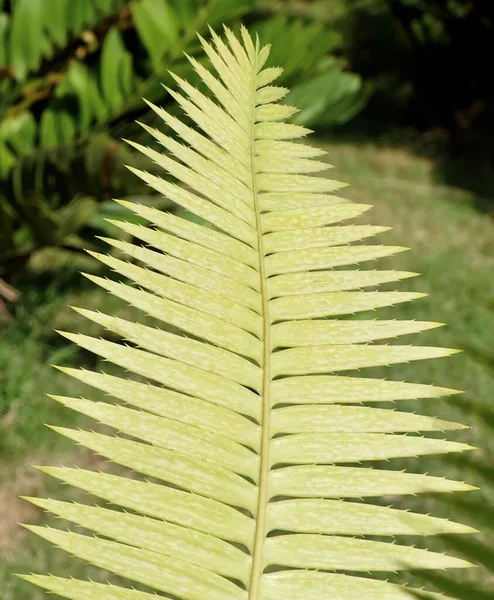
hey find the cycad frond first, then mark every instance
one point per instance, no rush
(246, 421)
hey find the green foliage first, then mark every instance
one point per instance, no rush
(425, 59)
(78, 81)
(248, 410)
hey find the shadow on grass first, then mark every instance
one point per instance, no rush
(464, 163)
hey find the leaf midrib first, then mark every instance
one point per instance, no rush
(254, 588)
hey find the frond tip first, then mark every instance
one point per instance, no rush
(234, 404)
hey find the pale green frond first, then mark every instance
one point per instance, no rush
(193, 253)
(330, 304)
(191, 352)
(199, 206)
(315, 585)
(283, 131)
(173, 405)
(332, 418)
(325, 258)
(162, 573)
(271, 93)
(308, 333)
(322, 389)
(177, 269)
(236, 203)
(281, 201)
(314, 282)
(339, 517)
(236, 110)
(324, 359)
(267, 76)
(289, 150)
(306, 551)
(233, 67)
(274, 112)
(162, 502)
(344, 447)
(223, 130)
(196, 162)
(243, 55)
(189, 296)
(76, 589)
(151, 534)
(301, 218)
(191, 380)
(241, 421)
(301, 239)
(207, 237)
(230, 79)
(171, 435)
(236, 118)
(195, 475)
(279, 157)
(282, 182)
(203, 144)
(325, 481)
(190, 320)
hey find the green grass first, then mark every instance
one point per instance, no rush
(452, 245)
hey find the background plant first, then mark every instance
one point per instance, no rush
(72, 91)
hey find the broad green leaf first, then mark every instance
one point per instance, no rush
(4, 28)
(48, 128)
(19, 132)
(8, 160)
(97, 106)
(110, 69)
(57, 21)
(77, 77)
(157, 27)
(26, 36)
